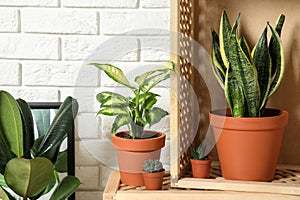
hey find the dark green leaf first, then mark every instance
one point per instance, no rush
(245, 48)
(28, 130)
(59, 127)
(61, 164)
(5, 155)
(120, 120)
(155, 115)
(11, 124)
(28, 177)
(114, 73)
(225, 34)
(50, 186)
(66, 188)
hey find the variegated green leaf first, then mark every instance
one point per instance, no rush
(111, 111)
(114, 73)
(245, 47)
(263, 64)
(225, 32)
(277, 55)
(154, 80)
(120, 120)
(164, 67)
(110, 99)
(155, 115)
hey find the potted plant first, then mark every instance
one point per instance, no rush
(136, 112)
(28, 166)
(153, 173)
(248, 134)
(200, 162)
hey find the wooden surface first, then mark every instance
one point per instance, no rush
(115, 190)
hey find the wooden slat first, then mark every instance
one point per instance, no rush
(198, 195)
(112, 186)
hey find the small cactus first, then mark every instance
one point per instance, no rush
(152, 166)
(198, 152)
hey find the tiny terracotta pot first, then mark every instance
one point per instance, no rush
(201, 168)
(248, 148)
(132, 153)
(153, 181)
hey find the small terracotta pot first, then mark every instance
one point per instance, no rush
(153, 181)
(201, 168)
(133, 152)
(248, 148)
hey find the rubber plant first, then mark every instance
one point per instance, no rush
(247, 77)
(137, 111)
(29, 166)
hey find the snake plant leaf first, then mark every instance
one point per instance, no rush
(11, 124)
(263, 64)
(245, 47)
(112, 111)
(277, 55)
(155, 115)
(218, 66)
(164, 67)
(66, 188)
(235, 27)
(234, 94)
(114, 73)
(152, 81)
(42, 119)
(28, 130)
(59, 127)
(28, 177)
(246, 76)
(61, 164)
(107, 99)
(120, 120)
(225, 34)
(278, 28)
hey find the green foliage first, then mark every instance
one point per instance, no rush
(137, 111)
(248, 78)
(152, 166)
(198, 153)
(28, 166)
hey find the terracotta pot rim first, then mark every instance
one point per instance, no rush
(153, 174)
(195, 161)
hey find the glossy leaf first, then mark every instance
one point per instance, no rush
(164, 67)
(155, 115)
(11, 124)
(28, 178)
(120, 120)
(66, 188)
(59, 127)
(50, 186)
(42, 119)
(28, 130)
(5, 155)
(263, 64)
(114, 73)
(61, 164)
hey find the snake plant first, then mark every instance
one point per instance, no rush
(137, 111)
(247, 77)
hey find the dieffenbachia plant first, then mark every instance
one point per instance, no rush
(138, 111)
(247, 77)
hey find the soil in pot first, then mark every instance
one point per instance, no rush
(133, 152)
(201, 168)
(248, 148)
(153, 181)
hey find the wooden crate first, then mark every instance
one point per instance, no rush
(193, 20)
(114, 190)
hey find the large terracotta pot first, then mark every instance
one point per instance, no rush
(248, 148)
(153, 181)
(201, 168)
(133, 152)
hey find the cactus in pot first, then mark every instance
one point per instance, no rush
(152, 166)
(153, 174)
(247, 77)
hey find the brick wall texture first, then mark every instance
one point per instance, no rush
(45, 48)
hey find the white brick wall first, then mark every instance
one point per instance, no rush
(45, 46)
